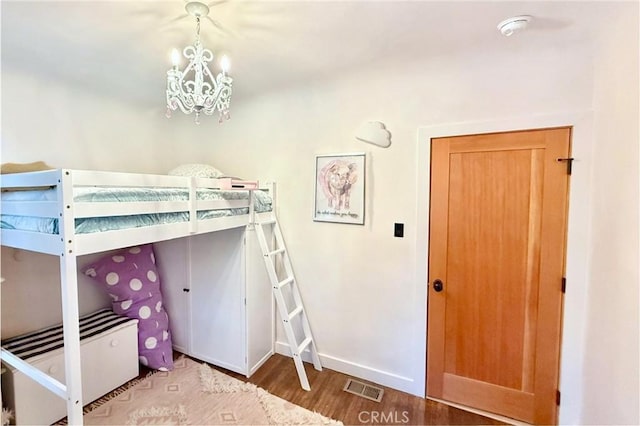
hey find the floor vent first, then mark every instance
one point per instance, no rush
(364, 390)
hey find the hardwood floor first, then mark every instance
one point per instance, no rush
(278, 376)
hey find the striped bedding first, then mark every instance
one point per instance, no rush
(39, 342)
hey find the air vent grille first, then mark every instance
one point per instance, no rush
(364, 390)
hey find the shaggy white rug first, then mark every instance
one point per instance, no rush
(196, 394)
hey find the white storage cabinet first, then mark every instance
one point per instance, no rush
(109, 360)
(218, 297)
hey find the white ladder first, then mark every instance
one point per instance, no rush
(290, 317)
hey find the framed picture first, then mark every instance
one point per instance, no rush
(340, 183)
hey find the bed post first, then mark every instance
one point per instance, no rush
(193, 212)
(272, 192)
(69, 290)
(252, 209)
(71, 331)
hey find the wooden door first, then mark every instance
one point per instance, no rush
(497, 244)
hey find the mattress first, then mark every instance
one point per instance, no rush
(262, 203)
(49, 339)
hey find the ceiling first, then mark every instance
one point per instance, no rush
(122, 48)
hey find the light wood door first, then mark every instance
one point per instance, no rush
(497, 243)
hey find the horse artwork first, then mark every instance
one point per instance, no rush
(340, 188)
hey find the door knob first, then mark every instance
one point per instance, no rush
(438, 285)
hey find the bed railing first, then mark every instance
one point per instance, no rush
(65, 210)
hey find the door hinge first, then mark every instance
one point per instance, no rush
(564, 285)
(558, 397)
(569, 162)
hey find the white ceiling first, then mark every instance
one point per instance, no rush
(122, 48)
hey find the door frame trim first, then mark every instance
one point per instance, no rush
(578, 238)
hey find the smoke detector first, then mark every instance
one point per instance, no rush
(514, 24)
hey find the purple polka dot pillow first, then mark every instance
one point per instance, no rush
(131, 279)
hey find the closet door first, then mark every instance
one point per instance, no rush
(218, 299)
(172, 261)
(496, 264)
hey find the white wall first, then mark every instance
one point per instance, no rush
(69, 127)
(31, 291)
(365, 305)
(611, 389)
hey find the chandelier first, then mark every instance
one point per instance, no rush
(195, 89)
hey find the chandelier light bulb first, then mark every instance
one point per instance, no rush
(224, 63)
(175, 57)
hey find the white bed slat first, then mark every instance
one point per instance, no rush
(21, 180)
(34, 241)
(221, 223)
(35, 208)
(104, 209)
(30, 371)
(110, 240)
(221, 204)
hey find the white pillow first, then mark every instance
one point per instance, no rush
(196, 170)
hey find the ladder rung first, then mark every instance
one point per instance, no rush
(295, 312)
(304, 345)
(280, 250)
(268, 251)
(285, 282)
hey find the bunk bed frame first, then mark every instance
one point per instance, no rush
(68, 245)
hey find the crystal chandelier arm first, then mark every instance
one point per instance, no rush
(221, 98)
(207, 72)
(224, 95)
(190, 52)
(176, 96)
(185, 103)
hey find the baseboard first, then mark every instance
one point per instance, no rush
(384, 378)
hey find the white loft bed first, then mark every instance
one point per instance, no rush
(67, 244)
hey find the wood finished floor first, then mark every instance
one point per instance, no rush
(278, 376)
